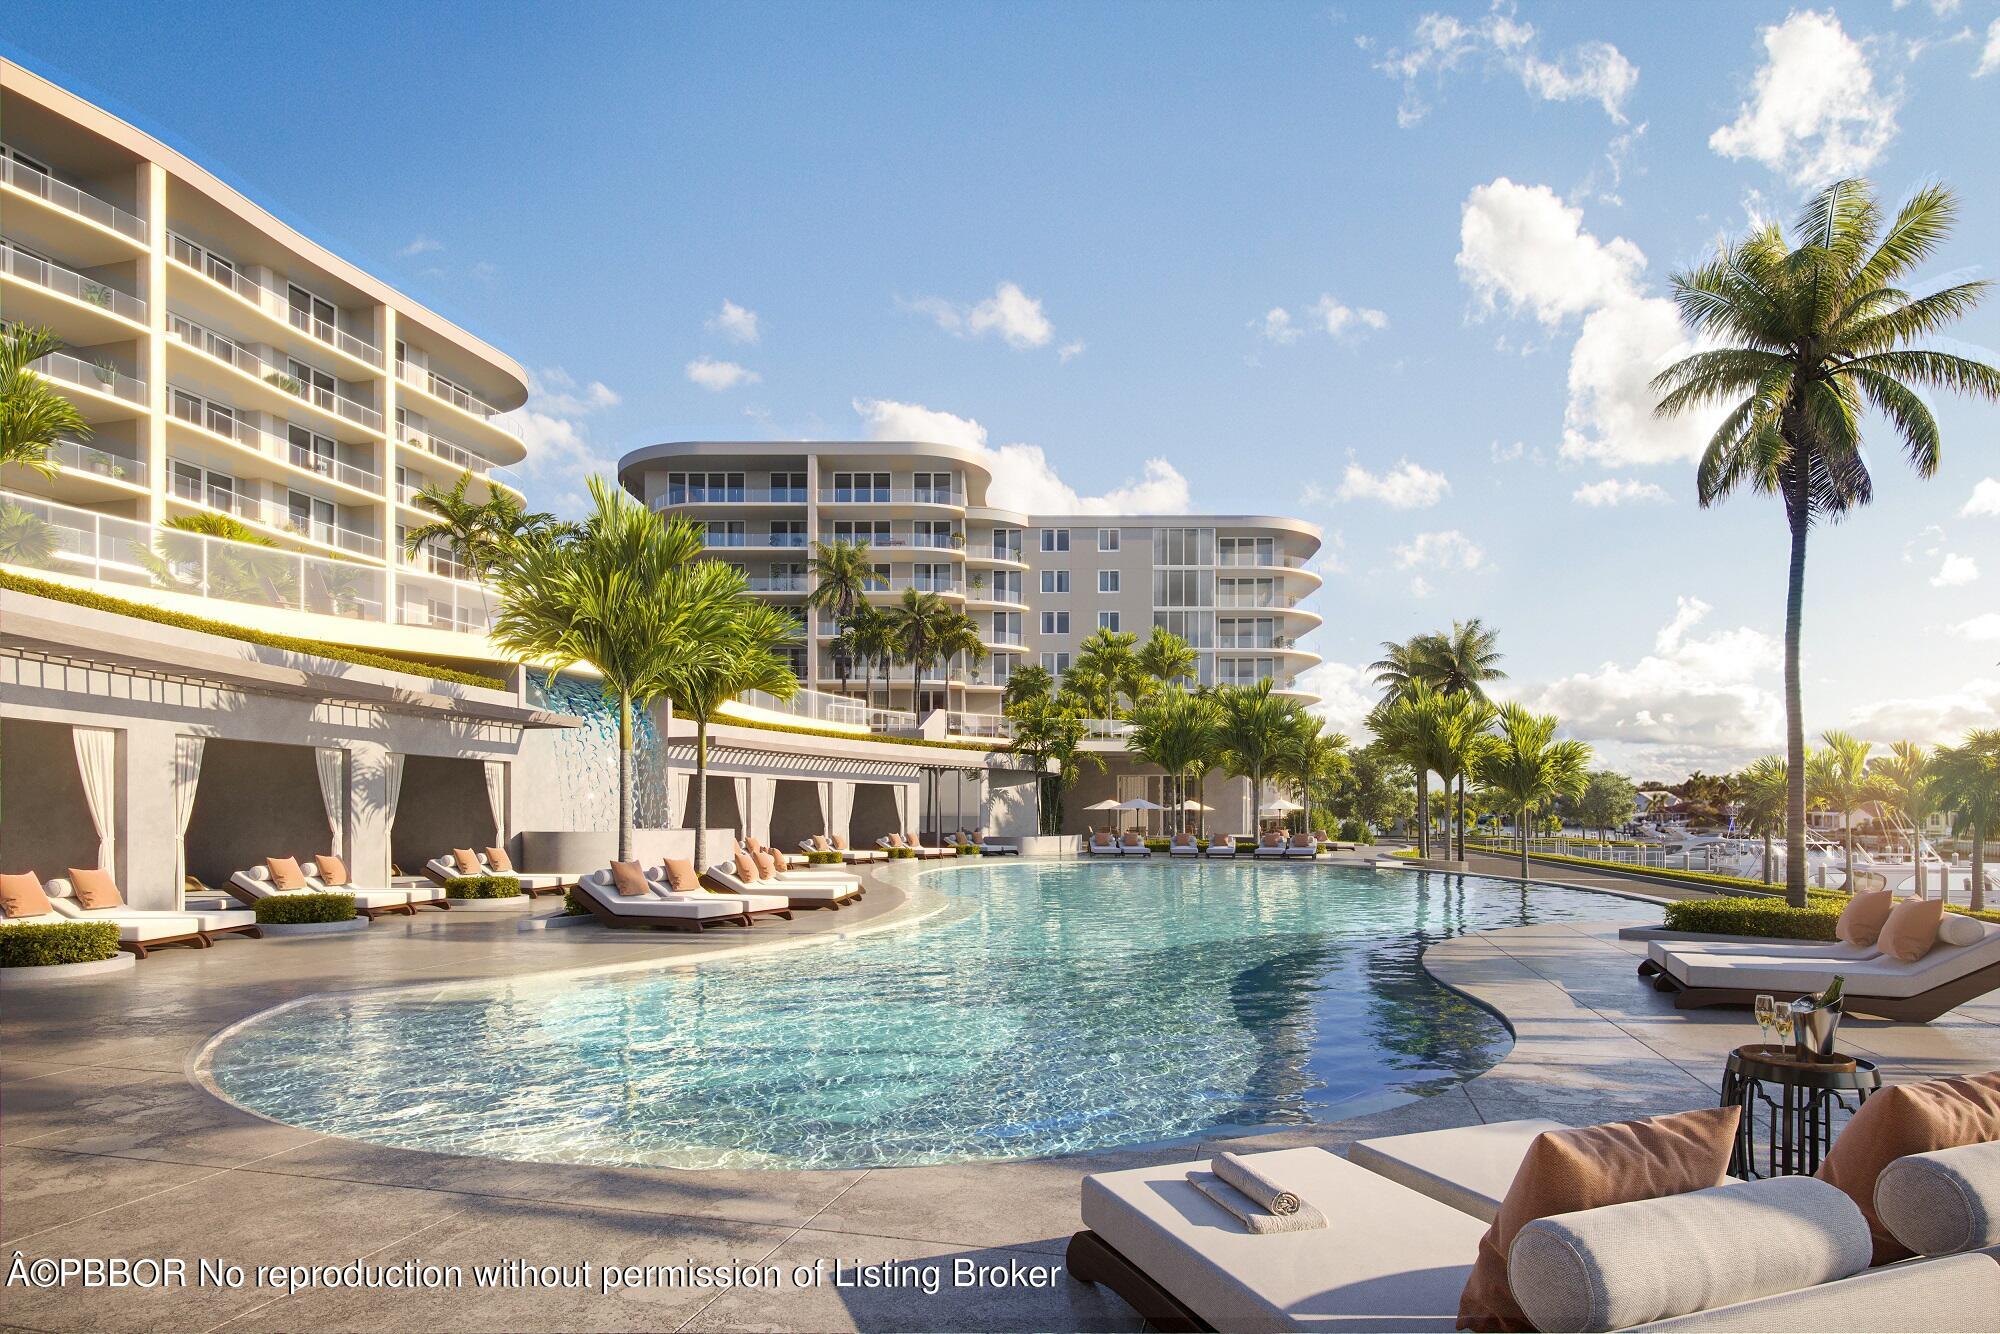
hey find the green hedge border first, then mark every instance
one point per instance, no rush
(305, 909)
(730, 720)
(318, 648)
(1753, 917)
(482, 887)
(47, 944)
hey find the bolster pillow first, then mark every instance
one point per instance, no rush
(1943, 1202)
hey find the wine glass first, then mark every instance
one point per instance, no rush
(1781, 1022)
(1767, 1009)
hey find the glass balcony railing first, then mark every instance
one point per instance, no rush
(69, 283)
(220, 419)
(102, 376)
(778, 583)
(234, 354)
(439, 387)
(886, 495)
(280, 517)
(270, 301)
(680, 494)
(70, 199)
(89, 459)
(457, 455)
(1272, 560)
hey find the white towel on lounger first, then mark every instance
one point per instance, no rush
(1249, 1213)
(1265, 1193)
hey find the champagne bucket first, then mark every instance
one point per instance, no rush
(1815, 1029)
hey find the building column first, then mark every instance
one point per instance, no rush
(148, 819)
(840, 819)
(385, 338)
(370, 813)
(152, 201)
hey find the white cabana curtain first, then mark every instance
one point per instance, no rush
(187, 776)
(904, 794)
(742, 786)
(840, 820)
(332, 762)
(677, 795)
(763, 797)
(496, 797)
(97, 762)
(392, 793)
(824, 791)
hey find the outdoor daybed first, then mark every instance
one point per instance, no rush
(1102, 845)
(1271, 845)
(1183, 845)
(253, 883)
(446, 867)
(998, 847)
(1222, 845)
(211, 922)
(1702, 974)
(660, 909)
(1302, 845)
(139, 930)
(1405, 1217)
(1132, 845)
(838, 843)
(794, 889)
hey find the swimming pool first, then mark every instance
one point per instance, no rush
(1045, 1009)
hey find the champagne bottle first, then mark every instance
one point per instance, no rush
(1831, 996)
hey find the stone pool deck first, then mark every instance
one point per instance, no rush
(108, 1148)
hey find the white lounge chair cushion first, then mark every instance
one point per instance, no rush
(1957, 1293)
(1609, 1268)
(742, 901)
(1943, 1202)
(1468, 1168)
(1387, 1259)
(1879, 976)
(799, 893)
(152, 926)
(1803, 949)
(37, 919)
(223, 919)
(679, 906)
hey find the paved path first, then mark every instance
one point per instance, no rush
(111, 1150)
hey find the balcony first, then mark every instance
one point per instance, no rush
(99, 377)
(440, 563)
(883, 495)
(72, 200)
(220, 420)
(78, 457)
(1276, 560)
(277, 305)
(677, 496)
(66, 282)
(458, 456)
(777, 583)
(1227, 600)
(278, 517)
(1002, 638)
(445, 391)
(280, 378)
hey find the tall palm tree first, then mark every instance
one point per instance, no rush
(477, 533)
(959, 641)
(842, 573)
(747, 653)
(1761, 791)
(871, 641)
(1525, 769)
(1401, 666)
(1175, 728)
(1968, 779)
(1049, 731)
(1254, 729)
(1461, 661)
(625, 594)
(1312, 757)
(1905, 781)
(1467, 720)
(33, 416)
(1837, 776)
(1166, 658)
(1410, 724)
(1029, 681)
(1801, 338)
(1106, 659)
(918, 624)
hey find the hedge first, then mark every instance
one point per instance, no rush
(829, 858)
(731, 721)
(897, 854)
(43, 944)
(967, 849)
(482, 887)
(300, 909)
(1753, 917)
(318, 648)
(573, 905)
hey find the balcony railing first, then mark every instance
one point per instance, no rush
(1227, 599)
(216, 419)
(280, 517)
(234, 354)
(68, 282)
(102, 376)
(822, 706)
(883, 495)
(70, 199)
(1270, 560)
(1004, 638)
(730, 495)
(79, 457)
(278, 304)
(440, 563)
(123, 551)
(778, 583)
(443, 606)
(457, 455)
(437, 387)
(725, 539)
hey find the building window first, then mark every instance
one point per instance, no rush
(932, 488)
(1055, 664)
(1183, 546)
(855, 531)
(1007, 586)
(1183, 588)
(702, 488)
(723, 533)
(1055, 622)
(788, 532)
(1006, 544)
(1107, 539)
(867, 486)
(1108, 620)
(1055, 581)
(1246, 551)
(1107, 581)
(1055, 539)
(788, 487)
(931, 578)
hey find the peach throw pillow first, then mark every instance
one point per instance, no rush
(681, 877)
(95, 889)
(1911, 929)
(1861, 920)
(629, 878)
(746, 869)
(1901, 1120)
(767, 864)
(22, 895)
(285, 873)
(466, 862)
(332, 870)
(498, 860)
(1568, 1170)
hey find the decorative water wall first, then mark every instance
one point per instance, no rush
(583, 790)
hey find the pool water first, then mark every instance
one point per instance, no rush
(1045, 1009)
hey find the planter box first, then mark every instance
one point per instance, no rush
(59, 974)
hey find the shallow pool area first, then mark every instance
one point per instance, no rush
(1046, 1008)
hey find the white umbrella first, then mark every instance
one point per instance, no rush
(1139, 804)
(1192, 805)
(1281, 807)
(1108, 804)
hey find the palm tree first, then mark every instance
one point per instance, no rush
(1254, 729)
(744, 654)
(1401, 666)
(842, 574)
(625, 594)
(1968, 780)
(1029, 681)
(1176, 729)
(870, 639)
(1801, 339)
(918, 624)
(1410, 724)
(1905, 781)
(476, 533)
(33, 416)
(1838, 777)
(1527, 769)
(1048, 730)
(1466, 722)
(1166, 658)
(958, 641)
(1460, 662)
(26, 538)
(1313, 756)
(1761, 791)
(1106, 661)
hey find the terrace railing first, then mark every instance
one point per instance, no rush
(70, 199)
(68, 282)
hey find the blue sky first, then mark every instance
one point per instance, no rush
(1394, 269)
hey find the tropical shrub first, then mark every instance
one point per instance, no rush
(968, 849)
(899, 854)
(302, 909)
(823, 858)
(1753, 917)
(573, 905)
(44, 944)
(1353, 831)
(482, 887)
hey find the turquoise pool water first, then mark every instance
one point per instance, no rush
(1046, 1009)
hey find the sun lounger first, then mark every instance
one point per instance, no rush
(1183, 845)
(211, 922)
(1133, 846)
(1468, 1168)
(999, 847)
(442, 869)
(1101, 845)
(658, 911)
(1302, 845)
(1948, 976)
(248, 886)
(790, 890)
(1221, 845)
(822, 843)
(1270, 845)
(139, 929)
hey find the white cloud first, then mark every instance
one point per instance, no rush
(716, 376)
(1023, 478)
(1614, 491)
(1277, 326)
(1406, 486)
(1445, 550)
(1336, 318)
(1420, 587)
(1347, 694)
(1593, 71)
(1329, 313)
(1009, 312)
(1930, 719)
(1989, 56)
(1955, 571)
(1814, 112)
(1985, 498)
(736, 323)
(421, 245)
(553, 426)
(1070, 351)
(1981, 629)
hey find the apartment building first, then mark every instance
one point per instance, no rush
(1233, 586)
(228, 365)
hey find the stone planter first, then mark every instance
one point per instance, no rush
(312, 928)
(514, 904)
(60, 974)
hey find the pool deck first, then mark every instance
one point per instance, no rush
(109, 1148)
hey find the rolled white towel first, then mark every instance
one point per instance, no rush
(1266, 1193)
(1304, 1218)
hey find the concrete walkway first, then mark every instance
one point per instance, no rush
(111, 1151)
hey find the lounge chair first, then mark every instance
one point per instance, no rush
(1302, 845)
(1701, 975)
(443, 868)
(1271, 845)
(139, 929)
(1101, 844)
(889, 842)
(831, 875)
(838, 843)
(1182, 845)
(421, 895)
(1221, 845)
(786, 860)
(923, 849)
(658, 911)
(254, 883)
(1132, 845)
(787, 888)
(213, 922)
(999, 847)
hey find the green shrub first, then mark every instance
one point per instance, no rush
(300, 909)
(573, 904)
(42, 944)
(1353, 831)
(968, 849)
(898, 854)
(482, 887)
(1753, 917)
(827, 858)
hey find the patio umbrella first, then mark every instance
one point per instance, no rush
(1139, 804)
(1106, 805)
(1192, 805)
(1280, 807)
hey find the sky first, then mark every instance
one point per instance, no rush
(1398, 270)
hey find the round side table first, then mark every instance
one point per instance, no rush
(1798, 1097)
